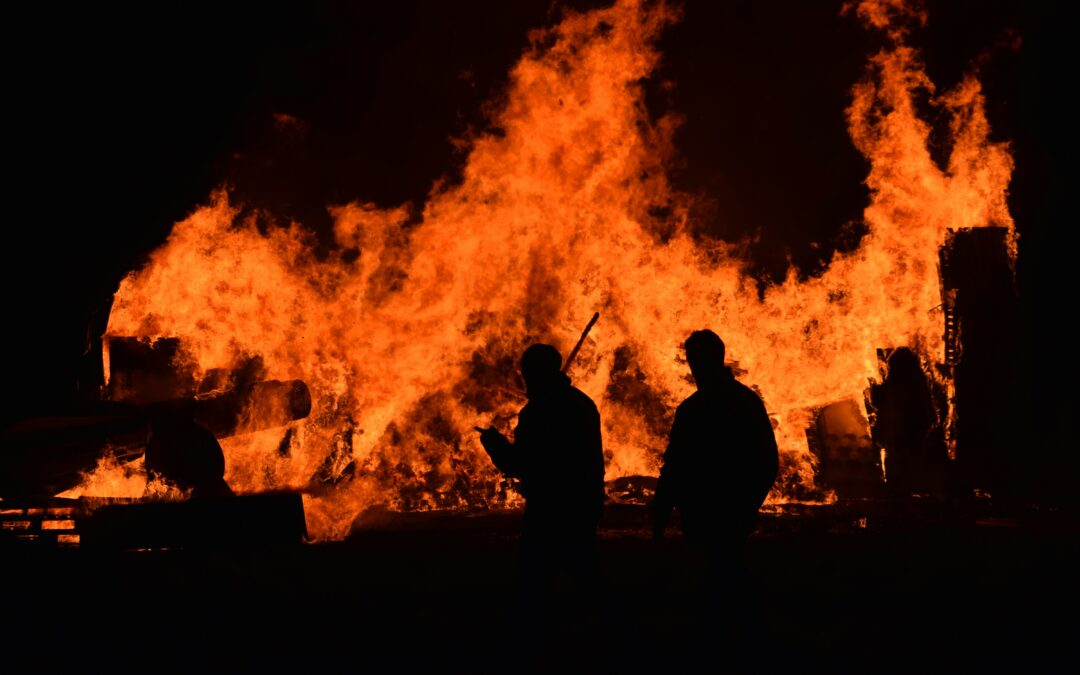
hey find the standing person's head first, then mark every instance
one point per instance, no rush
(540, 366)
(705, 353)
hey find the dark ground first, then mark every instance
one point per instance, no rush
(847, 588)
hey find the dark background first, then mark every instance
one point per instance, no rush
(121, 121)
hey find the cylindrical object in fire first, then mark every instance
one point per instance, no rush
(47, 455)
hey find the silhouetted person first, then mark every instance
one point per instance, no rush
(721, 462)
(906, 425)
(557, 455)
(721, 458)
(185, 453)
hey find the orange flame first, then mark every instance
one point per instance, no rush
(408, 346)
(113, 478)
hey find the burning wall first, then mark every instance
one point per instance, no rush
(409, 333)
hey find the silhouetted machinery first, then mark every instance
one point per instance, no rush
(45, 455)
(982, 343)
(848, 460)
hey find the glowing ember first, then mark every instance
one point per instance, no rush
(58, 524)
(409, 345)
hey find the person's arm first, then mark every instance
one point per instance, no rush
(596, 452)
(769, 456)
(670, 475)
(502, 452)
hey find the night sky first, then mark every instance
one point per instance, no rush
(115, 132)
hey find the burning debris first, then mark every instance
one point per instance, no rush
(565, 208)
(45, 456)
(50, 522)
(848, 462)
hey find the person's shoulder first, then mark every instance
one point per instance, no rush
(581, 398)
(692, 402)
(747, 395)
(527, 411)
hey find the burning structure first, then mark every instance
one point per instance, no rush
(406, 333)
(404, 322)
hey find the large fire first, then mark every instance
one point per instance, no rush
(408, 345)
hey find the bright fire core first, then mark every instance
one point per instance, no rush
(408, 345)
